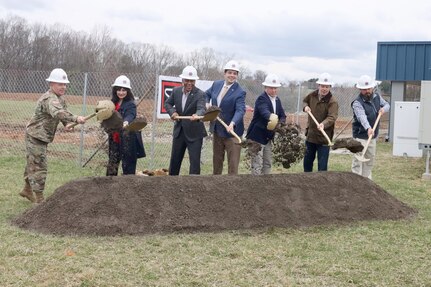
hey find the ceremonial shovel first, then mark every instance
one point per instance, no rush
(323, 132)
(362, 158)
(103, 111)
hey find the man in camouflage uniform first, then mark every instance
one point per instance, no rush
(40, 131)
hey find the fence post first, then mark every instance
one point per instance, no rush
(297, 105)
(154, 125)
(84, 112)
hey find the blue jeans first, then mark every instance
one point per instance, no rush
(310, 155)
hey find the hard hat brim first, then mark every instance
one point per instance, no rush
(188, 77)
(271, 85)
(325, 83)
(122, 86)
(49, 80)
(365, 87)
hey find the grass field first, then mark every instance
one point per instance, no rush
(389, 253)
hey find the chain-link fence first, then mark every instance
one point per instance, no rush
(87, 145)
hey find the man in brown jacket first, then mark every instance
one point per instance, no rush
(324, 108)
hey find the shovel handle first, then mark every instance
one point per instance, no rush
(370, 137)
(323, 132)
(226, 127)
(342, 129)
(188, 117)
(86, 118)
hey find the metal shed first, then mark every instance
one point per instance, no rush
(401, 63)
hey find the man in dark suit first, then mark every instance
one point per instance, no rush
(267, 104)
(228, 95)
(188, 133)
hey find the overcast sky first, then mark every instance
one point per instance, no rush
(296, 39)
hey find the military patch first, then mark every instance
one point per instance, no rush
(57, 104)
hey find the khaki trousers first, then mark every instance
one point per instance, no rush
(364, 168)
(233, 151)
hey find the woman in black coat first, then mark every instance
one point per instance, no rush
(125, 146)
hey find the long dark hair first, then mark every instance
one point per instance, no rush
(115, 99)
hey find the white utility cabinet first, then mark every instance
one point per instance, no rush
(406, 129)
(425, 125)
(425, 116)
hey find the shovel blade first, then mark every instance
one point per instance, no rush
(138, 124)
(104, 109)
(210, 116)
(113, 123)
(361, 158)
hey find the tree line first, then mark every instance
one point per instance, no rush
(41, 47)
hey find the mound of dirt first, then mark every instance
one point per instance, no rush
(138, 205)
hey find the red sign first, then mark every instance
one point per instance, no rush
(167, 87)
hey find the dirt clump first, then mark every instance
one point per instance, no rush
(288, 147)
(351, 144)
(112, 124)
(139, 205)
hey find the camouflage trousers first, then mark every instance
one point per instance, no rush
(37, 166)
(261, 162)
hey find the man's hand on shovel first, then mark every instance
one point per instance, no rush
(230, 129)
(209, 115)
(192, 118)
(370, 136)
(195, 117)
(320, 126)
(103, 111)
(79, 120)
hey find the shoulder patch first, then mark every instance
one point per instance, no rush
(56, 104)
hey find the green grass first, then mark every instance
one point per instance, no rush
(21, 112)
(377, 253)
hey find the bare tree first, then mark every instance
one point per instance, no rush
(259, 76)
(14, 43)
(41, 47)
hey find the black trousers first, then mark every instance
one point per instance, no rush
(179, 146)
(125, 151)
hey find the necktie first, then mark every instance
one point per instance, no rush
(183, 103)
(223, 92)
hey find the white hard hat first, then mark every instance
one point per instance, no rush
(365, 82)
(189, 73)
(272, 81)
(122, 81)
(232, 65)
(58, 76)
(325, 79)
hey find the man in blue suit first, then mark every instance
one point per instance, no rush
(228, 95)
(187, 100)
(267, 104)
